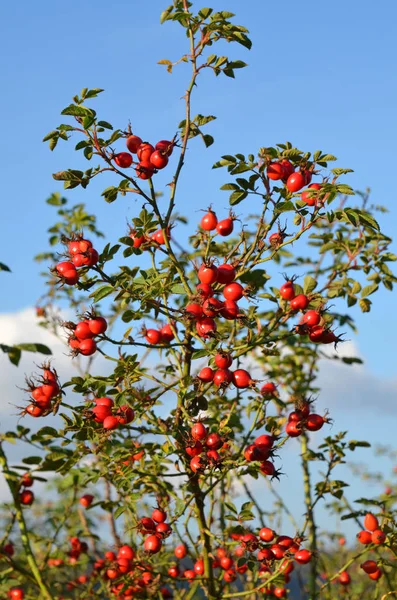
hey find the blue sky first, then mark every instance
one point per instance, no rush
(321, 75)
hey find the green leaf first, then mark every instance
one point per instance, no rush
(207, 139)
(367, 219)
(369, 289)
(365, 304)
(34, 348)
(4, 267)
(119, 511)
(342, 188)
(309, 284)
(166, 14)
(105, 124)
(32, 460)
(47, 431)
(230, 186)
(102, 292)
(237, 197)
(78, 111)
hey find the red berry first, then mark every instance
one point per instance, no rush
(153, 336)
(83, 331)
(303, 556)
(266, 534)
(101, 412)
(275, 171)
(242, 379)
(123, 160)
(206, 375)
(86, 500)
(167, 334)
(199, 567)
(300, 302)
(125, 415)
(268, 389)
(144, 170)
(111, 422)
(152, 544)
(225, 227)
(371, 522)
(158, 159)
(378, 536)
(206, 327)
(165, 146)
(173, 571)
(309, 197)
(212, 307)
(87, 347)
(226, 273)
(97, 325)
(214, 441)
(133, 142)
(194, 310)
(26, 497)
(265, 442)
(144, 152)
(267, 468)
(314, 422)
(34, 411)
(369, 566)
(344, 578)
(293, 429)
(223, 360)
(16, 593)
(376, 575)
(295, 182)
(64, 267)
(194, 450)
(180, 551)
(126, 552)
(364, 537)
(196, 464)
(209, 221)
(223, 377)
(208, 274)
(205, 290)
(233, 291)
(311, 318)
(159, 515)
(288, 168)
(230, 310)
(163, 530)
(198, 431)
(287, 290)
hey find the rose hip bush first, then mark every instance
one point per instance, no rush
(209, 360)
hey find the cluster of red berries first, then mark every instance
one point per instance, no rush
(81, 254)
(261, 450)
(285, 171)
(157, 238)
(203, 308)
(150, 158)
(312, 322)
(110, 416)
(223, 376)
(301, 419)
(165, 335)
(203, 447)
(155, 529)
(81, 339)
(26, 497)
(43, 390)
(372, 534)
(210, 222)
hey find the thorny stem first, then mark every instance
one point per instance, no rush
(30, 557)
(310, 517)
